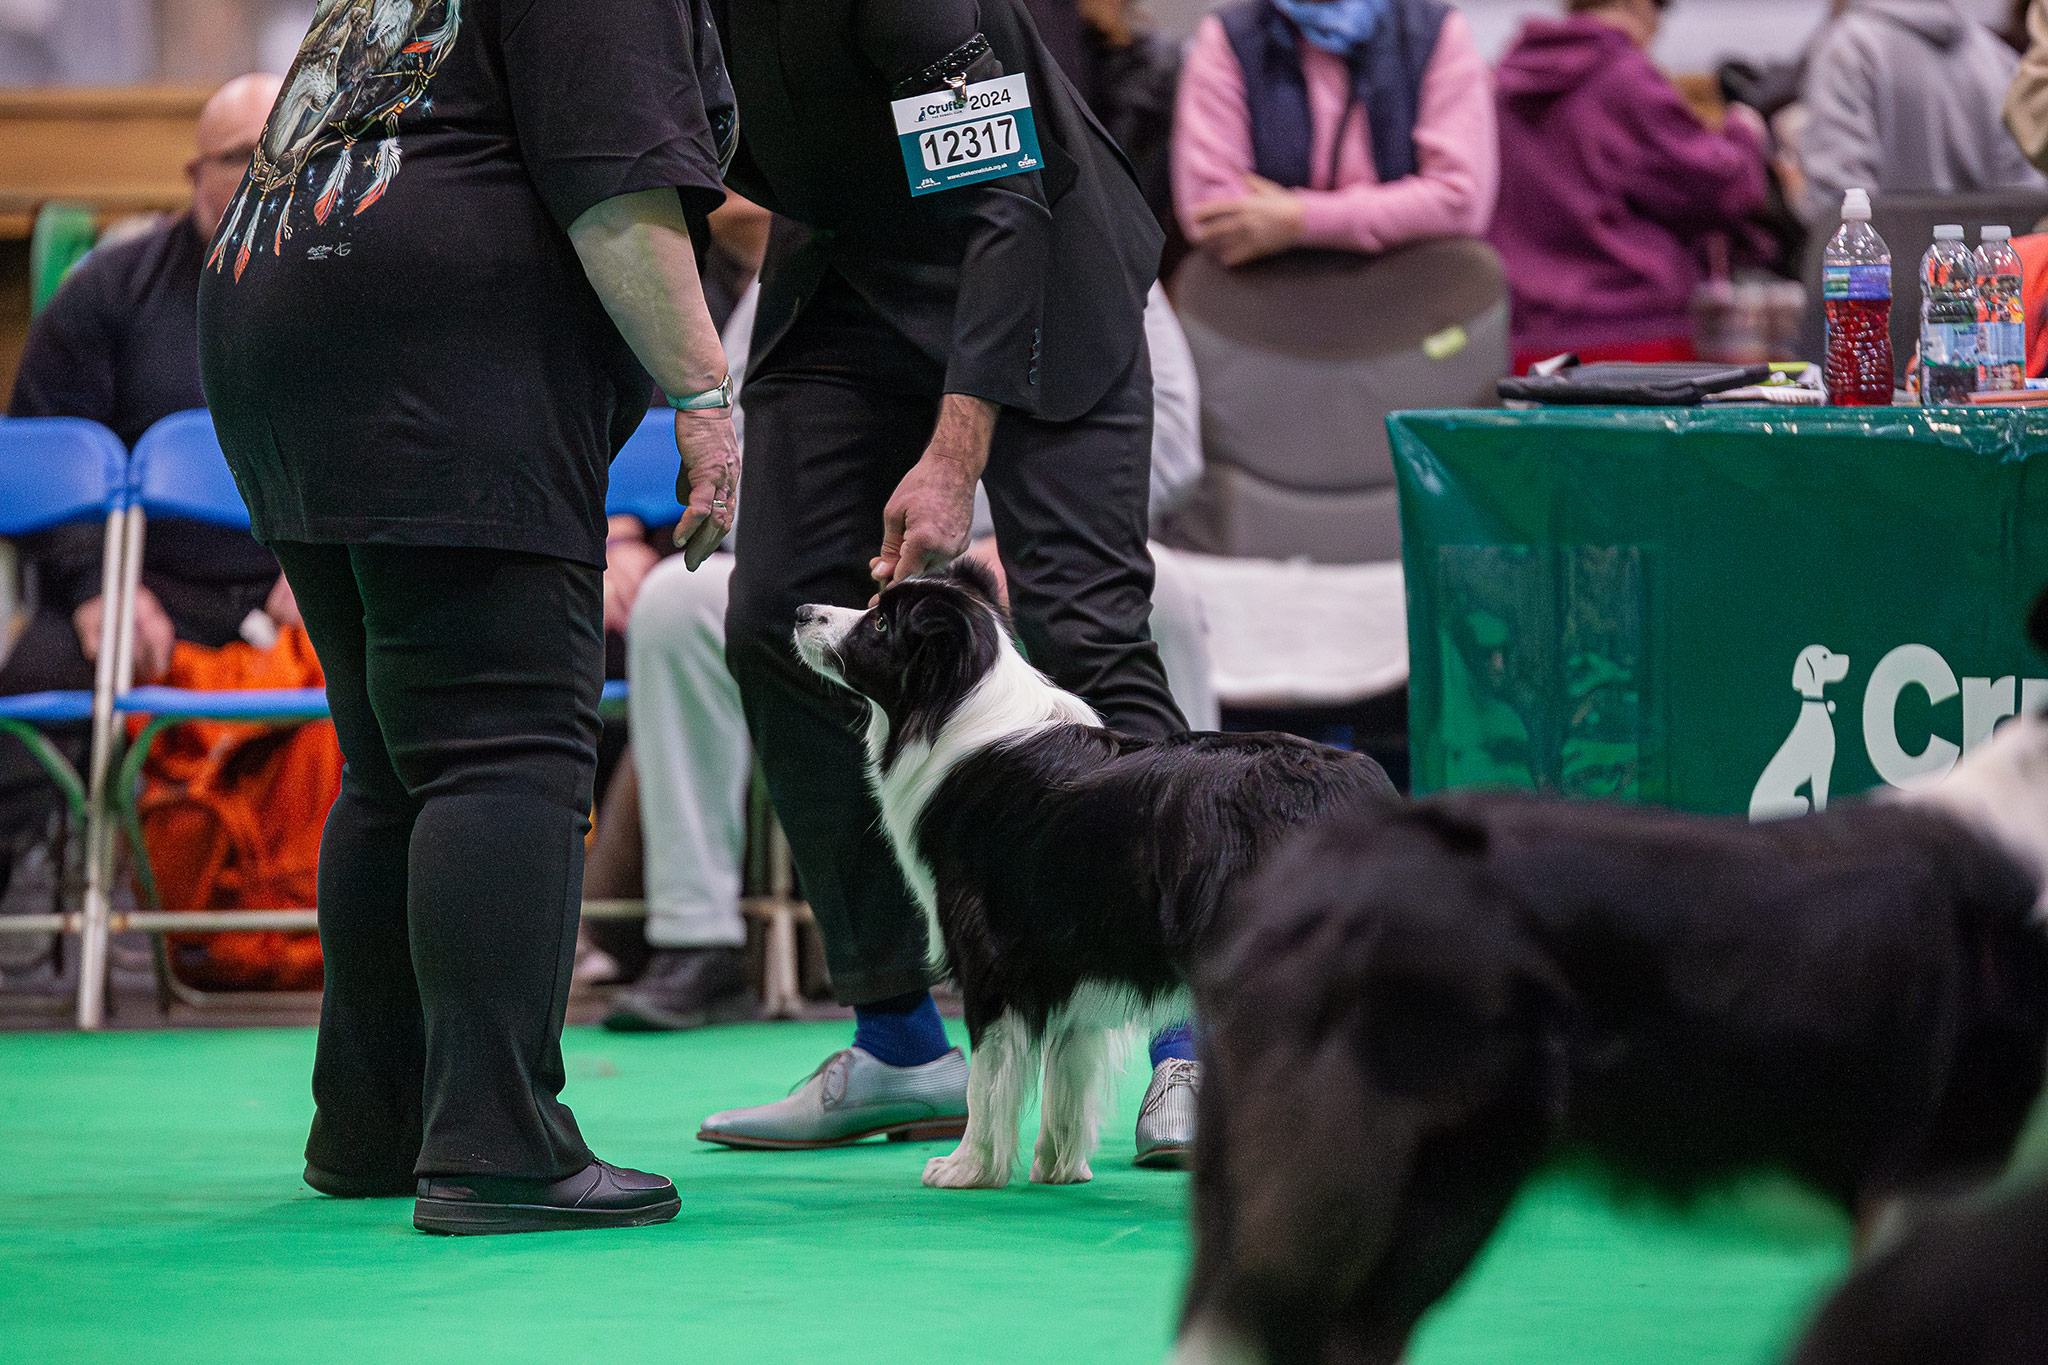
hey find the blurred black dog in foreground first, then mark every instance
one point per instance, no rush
(1964, 1288)
(1441, 998)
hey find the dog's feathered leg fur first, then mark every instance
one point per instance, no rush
(1000, 1077)
(1078, 1063)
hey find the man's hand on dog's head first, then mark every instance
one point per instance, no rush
(925, 525)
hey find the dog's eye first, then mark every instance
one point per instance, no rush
(881, 624)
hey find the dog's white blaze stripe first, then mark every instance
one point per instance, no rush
(2000, 789)
(1013, 700)
(816, 639)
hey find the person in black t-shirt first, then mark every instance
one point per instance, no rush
(423, 326)
(119, 344)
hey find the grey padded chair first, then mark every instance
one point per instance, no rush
(1907, 222)
(1301, 358)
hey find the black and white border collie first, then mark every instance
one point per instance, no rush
(1443, 997)
(1069, 877)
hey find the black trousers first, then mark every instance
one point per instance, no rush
(836, 415)
(464, 685)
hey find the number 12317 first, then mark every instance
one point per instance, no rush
(965, 142)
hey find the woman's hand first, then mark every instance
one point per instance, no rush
(637, 255)
(1265, 222)
(709, 484)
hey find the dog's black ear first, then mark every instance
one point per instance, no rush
(2037, 622)
(945, 657)
(975, 576)
(930, 617)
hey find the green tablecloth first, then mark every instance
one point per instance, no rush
(1737, 610)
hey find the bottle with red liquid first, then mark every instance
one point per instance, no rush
(1856, 290)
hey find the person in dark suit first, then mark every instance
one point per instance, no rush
(908, 345)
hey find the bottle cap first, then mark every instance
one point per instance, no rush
(1856, 206)
(1948, 232)
(1993, 232)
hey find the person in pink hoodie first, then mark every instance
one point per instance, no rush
(1355, 125)
(1611, 187)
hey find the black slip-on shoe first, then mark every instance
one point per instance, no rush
(686, 988)
(394, 1185)
(600, 1195)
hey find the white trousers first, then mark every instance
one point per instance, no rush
(693, 759)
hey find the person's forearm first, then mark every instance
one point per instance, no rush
(966, 426)
(637, 254)
(1211, 152)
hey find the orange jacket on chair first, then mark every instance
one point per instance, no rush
(232, 816)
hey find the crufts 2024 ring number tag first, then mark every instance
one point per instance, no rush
(967, 134)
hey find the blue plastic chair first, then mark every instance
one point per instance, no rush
(179, 470)
(57, 471)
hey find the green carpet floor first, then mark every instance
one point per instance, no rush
(150, 1211)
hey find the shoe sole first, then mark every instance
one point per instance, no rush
(462, 1218)
(1170, 1156)
(933, 1130)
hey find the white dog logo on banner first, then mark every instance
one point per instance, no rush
(1807, 757)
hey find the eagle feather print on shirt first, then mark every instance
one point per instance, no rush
(362, 64)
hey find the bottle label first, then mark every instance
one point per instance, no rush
(1856, 282)
(2001, 343)
(1948, 343)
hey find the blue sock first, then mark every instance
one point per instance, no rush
(903, 1031)
(1178, 1041)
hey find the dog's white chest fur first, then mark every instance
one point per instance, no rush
(1012, 701)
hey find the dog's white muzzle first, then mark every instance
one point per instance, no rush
(819, 629)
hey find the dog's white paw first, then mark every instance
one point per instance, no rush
(1044, 1172)
(961, 1169)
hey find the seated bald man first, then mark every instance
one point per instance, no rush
(119, 343)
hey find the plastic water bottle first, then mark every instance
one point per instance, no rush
(2001, 314)
(1948, 319)
(1856, 291)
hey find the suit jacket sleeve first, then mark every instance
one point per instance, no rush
(1007, 223)
(67, 368)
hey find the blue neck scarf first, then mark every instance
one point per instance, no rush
(1336, 26)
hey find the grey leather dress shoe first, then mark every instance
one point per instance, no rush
(852, 1096)
(1166, 1120)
